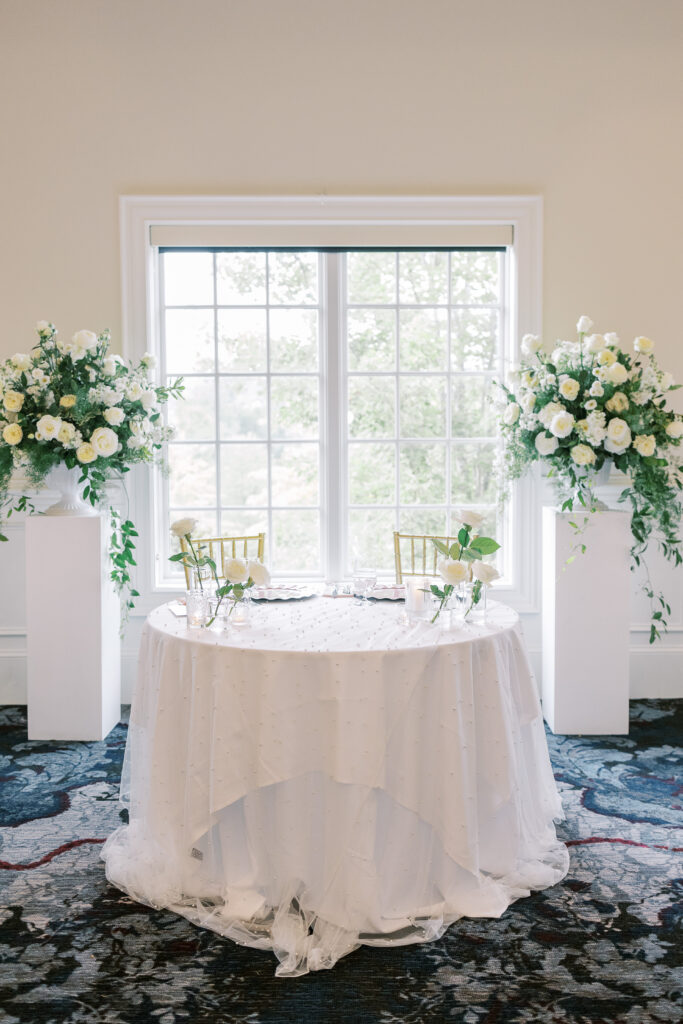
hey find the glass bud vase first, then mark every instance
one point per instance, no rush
(197, 608)
(239, 614)
(472, 600)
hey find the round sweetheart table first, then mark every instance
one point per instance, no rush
(334, 776)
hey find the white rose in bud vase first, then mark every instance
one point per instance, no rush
(643, 345)
(562, 424)
(235, 570)
(468, 518)
(183, 527)
(511, 414)
(545, 445)
(644, 444)
(617, 374)
(584, 324)
(258, 573)
(583, 455)
(452, 571)
(531, 343)
(569, 388)
(484, 572)
(675, 429)
(104, 441)
(114, 416)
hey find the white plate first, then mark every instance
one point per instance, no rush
(282, 593)
(397, 593)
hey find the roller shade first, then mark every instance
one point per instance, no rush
(331, 236)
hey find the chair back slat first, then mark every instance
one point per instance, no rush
(251, 546)
(422, 561)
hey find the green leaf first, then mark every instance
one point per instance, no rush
(440, 546)
(455, 551)
(463, 535)
(484, 545)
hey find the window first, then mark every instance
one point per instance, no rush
(338, 352)
(417, 341)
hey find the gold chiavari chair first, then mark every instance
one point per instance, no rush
(417, 550)
(220, 548)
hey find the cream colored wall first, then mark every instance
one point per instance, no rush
(581, 102)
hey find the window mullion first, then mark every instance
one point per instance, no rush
(333, 447)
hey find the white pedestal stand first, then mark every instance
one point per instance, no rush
(72, 621)
(586, 619)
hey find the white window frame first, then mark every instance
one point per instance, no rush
(359, 217)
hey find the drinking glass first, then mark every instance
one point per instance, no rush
(363, 581)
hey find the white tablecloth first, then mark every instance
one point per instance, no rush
(334, 776)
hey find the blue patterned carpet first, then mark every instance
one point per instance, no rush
(605, 946)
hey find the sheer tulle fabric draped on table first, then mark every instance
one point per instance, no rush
(334, 777)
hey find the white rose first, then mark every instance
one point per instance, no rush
(582, 455)
(258, 573)
(44, 327)
(617, 403)
(511, 414)
(66, 433)
(134, 392)
(606, 357)
(556, 355)
(644, 444)
(562, 424)
(528, 401)
(149, 360)
(12, 434)
(48, 427)
(597, 390)
(591, 404)
(666, 381)
(13, 401)
(235, 570)
(675, 429)
(617, 374)
(109, 365)
(548, 411)
(584, 324)
(545, 445)
(149, 400)
(643, 345)
(21, 360)
(86, 453)
(569, 388)
(86, 340)
(531, 343)
(484, 572)
(593, 343)
(114, 416)
(612, 339)
(183, 527)
(452, 572)
(468, 518)
(618, 433)
(104, 442)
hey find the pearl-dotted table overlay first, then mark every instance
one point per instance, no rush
(334, 775)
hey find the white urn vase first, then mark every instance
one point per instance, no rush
(71, 502)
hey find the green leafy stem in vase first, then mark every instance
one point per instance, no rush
(463, 562)
(240, 574)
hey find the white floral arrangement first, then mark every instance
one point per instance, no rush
(75, 403)
(587, 403)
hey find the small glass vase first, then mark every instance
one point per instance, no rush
(201, 578)
(239, 612)
(197, 608)
(471, 598)
(218, 614)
